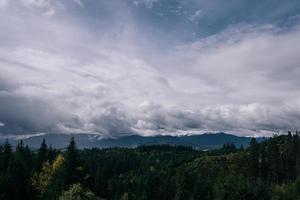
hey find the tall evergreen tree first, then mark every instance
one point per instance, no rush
(72, 164)
(263, 163)
(19, 172)
(273, 155)
(7, 155)
(42, 154)
(290, 159)
(20, 146)
(254, 158)
(52, 153)
(296, 141)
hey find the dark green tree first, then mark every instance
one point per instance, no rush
(263, 163)
(72, 166)
(19, 171)
(52, 154)
(42, 154)
(7, 155)
(274, 161)
(254, 158)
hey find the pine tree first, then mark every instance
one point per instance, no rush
(20, 146)
(20, 171)
(72, 164)
(254, 158)
(290, 158)
(42, 154)
(273, 155)
(296, 142)
(7, 155)
(52, 153)
(263, 164)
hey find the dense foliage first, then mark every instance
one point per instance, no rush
(266, 170)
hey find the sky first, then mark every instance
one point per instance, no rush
(149, 67)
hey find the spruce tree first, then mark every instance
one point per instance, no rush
(72, 164)
(7, 155)
(42, 154)
(273, 155)
(263, 164)
(254, 158)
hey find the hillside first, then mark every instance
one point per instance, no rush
(266, 170)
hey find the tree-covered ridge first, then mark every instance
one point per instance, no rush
(265, 170)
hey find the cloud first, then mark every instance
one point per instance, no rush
(114, 75)
(147, 3)
(3, 4)
(196, 15)
(80, 3)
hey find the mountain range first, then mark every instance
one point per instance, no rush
(203, 141)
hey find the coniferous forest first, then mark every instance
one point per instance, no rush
(266, 170)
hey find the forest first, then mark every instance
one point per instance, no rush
(262, 170)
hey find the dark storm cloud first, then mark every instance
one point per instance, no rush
(149, 67)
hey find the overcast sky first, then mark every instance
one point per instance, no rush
(118, 67)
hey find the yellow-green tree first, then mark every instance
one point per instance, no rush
(77, 192)
(49, 181)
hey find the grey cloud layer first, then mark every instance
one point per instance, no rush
(59, 73)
